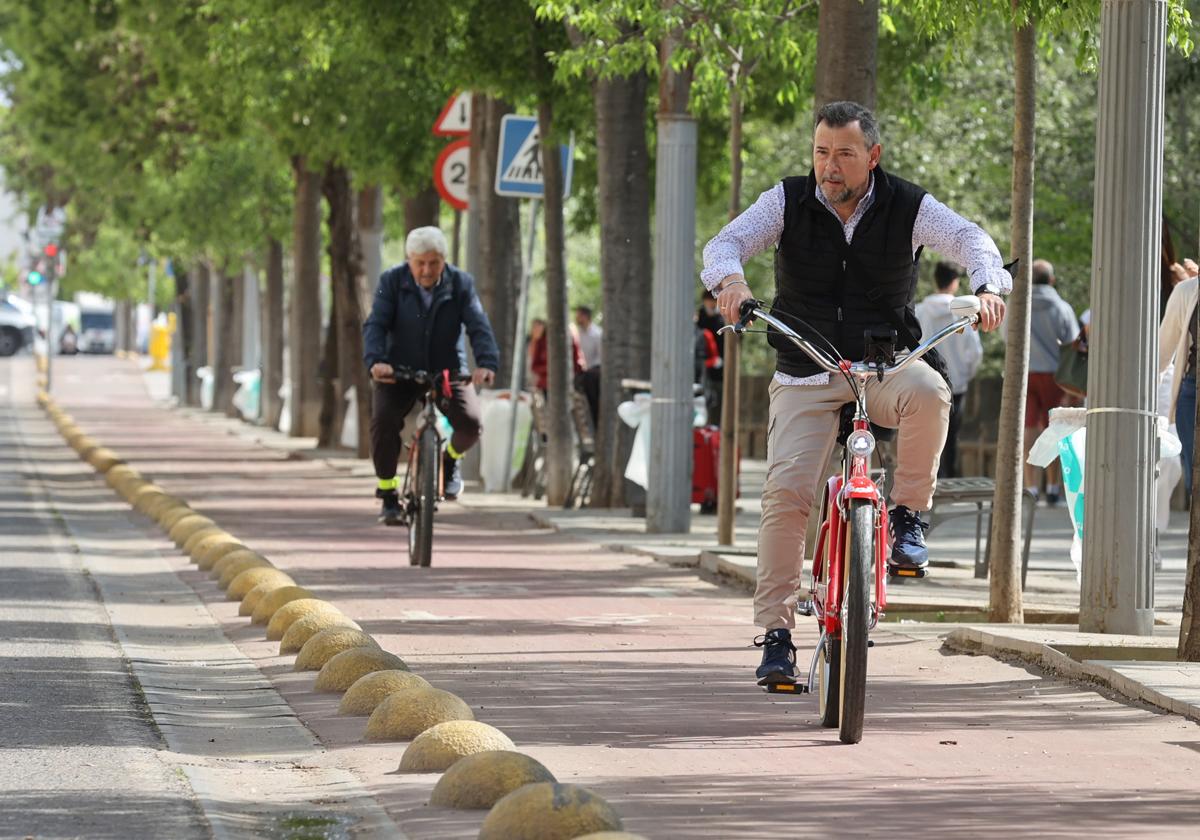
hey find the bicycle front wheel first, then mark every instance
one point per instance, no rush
(420, 534)
(857, 572)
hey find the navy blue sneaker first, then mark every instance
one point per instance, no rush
(452, 483)
(908, 539)
(779, 657)
(391, 514)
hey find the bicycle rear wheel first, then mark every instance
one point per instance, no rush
(856, 619)
(420, 530)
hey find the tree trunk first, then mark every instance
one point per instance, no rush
(559, 446)
(225, 353)
(329, 426)
(181, 342)
(198, 288)
(304, 342)
(623, 162)
(847, 43)
(422, 209)
(1189, 627)
(731, 373)
(498, 275)
(346, 266)
(1005, 553)
(477, 187)
(272, 333)
(370, 237)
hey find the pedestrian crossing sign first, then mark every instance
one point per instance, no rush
(519, 164)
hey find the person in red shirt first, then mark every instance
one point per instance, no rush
(538, 358)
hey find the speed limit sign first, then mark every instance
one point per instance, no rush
(450, 173)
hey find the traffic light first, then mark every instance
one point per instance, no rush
(34, 277)
(51, 250)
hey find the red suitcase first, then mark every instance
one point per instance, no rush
(706, 461)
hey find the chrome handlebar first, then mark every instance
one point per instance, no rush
(966, 304)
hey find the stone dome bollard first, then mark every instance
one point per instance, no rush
(275, 599)
(435, 749)
(341, 672)
(480, 780)
(291, 612)
(549, 811)
(301, 631)
(404, 715)
(256, 576)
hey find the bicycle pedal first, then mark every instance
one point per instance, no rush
(786, 688)
(905, 572)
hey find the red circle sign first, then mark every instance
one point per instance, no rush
(450, 173)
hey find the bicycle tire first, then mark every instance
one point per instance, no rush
(421, 529)
(856, 619)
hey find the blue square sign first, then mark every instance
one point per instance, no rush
(519, 167)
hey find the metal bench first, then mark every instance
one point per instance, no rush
(969, 497)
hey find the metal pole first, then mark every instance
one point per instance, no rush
(152, 290)
(669, 494)
(51, 279)
(1117, 590)
(518, 361)
(727, 486)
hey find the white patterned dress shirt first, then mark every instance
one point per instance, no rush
(936, 227)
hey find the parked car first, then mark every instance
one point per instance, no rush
(97, 332)
(17, 324)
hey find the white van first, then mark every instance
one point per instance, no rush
(17, 324)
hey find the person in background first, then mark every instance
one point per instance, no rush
(1177, 346)
(962, 352)
(1052, 324)
(538, 355)
(590, 339)
(708, 318)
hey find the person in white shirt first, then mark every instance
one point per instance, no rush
(962, 353)
(590, 337)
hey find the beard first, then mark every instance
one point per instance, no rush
(842, 194)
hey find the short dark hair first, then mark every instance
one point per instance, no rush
(945, 273)
(838, 114)
(585, 310)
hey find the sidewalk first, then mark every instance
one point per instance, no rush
(632, 677)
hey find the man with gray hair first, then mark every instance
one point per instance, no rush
(420, 311)
(847, 237)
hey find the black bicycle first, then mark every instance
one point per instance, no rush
(423, 480)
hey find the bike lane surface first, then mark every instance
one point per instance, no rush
(636, 679)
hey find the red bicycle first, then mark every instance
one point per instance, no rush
(848, 592)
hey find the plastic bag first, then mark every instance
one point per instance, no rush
(635, 413)
(497, 412)
(247, 397)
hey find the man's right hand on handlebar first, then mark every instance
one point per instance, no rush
(733, 290)
(383, 372)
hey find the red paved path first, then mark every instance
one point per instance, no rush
(635, 679)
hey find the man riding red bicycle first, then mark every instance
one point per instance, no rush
(848, 238)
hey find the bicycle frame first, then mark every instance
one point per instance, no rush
(427, 417)
(854, 482)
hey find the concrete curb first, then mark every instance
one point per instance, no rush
(1180, 696)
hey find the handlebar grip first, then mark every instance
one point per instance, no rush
(746, 312)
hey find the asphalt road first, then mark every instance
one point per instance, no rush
(79, 753)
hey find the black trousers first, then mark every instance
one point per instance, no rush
(948, 466)
(391, 405)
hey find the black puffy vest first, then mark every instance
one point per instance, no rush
(813, 283)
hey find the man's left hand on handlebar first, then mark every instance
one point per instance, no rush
(483, 377)
(991, 312)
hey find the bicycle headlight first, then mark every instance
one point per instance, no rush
(861, 443)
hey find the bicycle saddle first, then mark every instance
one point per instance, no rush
(846, 426)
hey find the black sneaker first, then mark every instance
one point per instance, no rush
(391, 514)
(452, 485)
(908, 539)
(779, 657)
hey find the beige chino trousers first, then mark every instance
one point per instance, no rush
(801, 431)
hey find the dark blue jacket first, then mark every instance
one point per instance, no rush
(401, 332)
